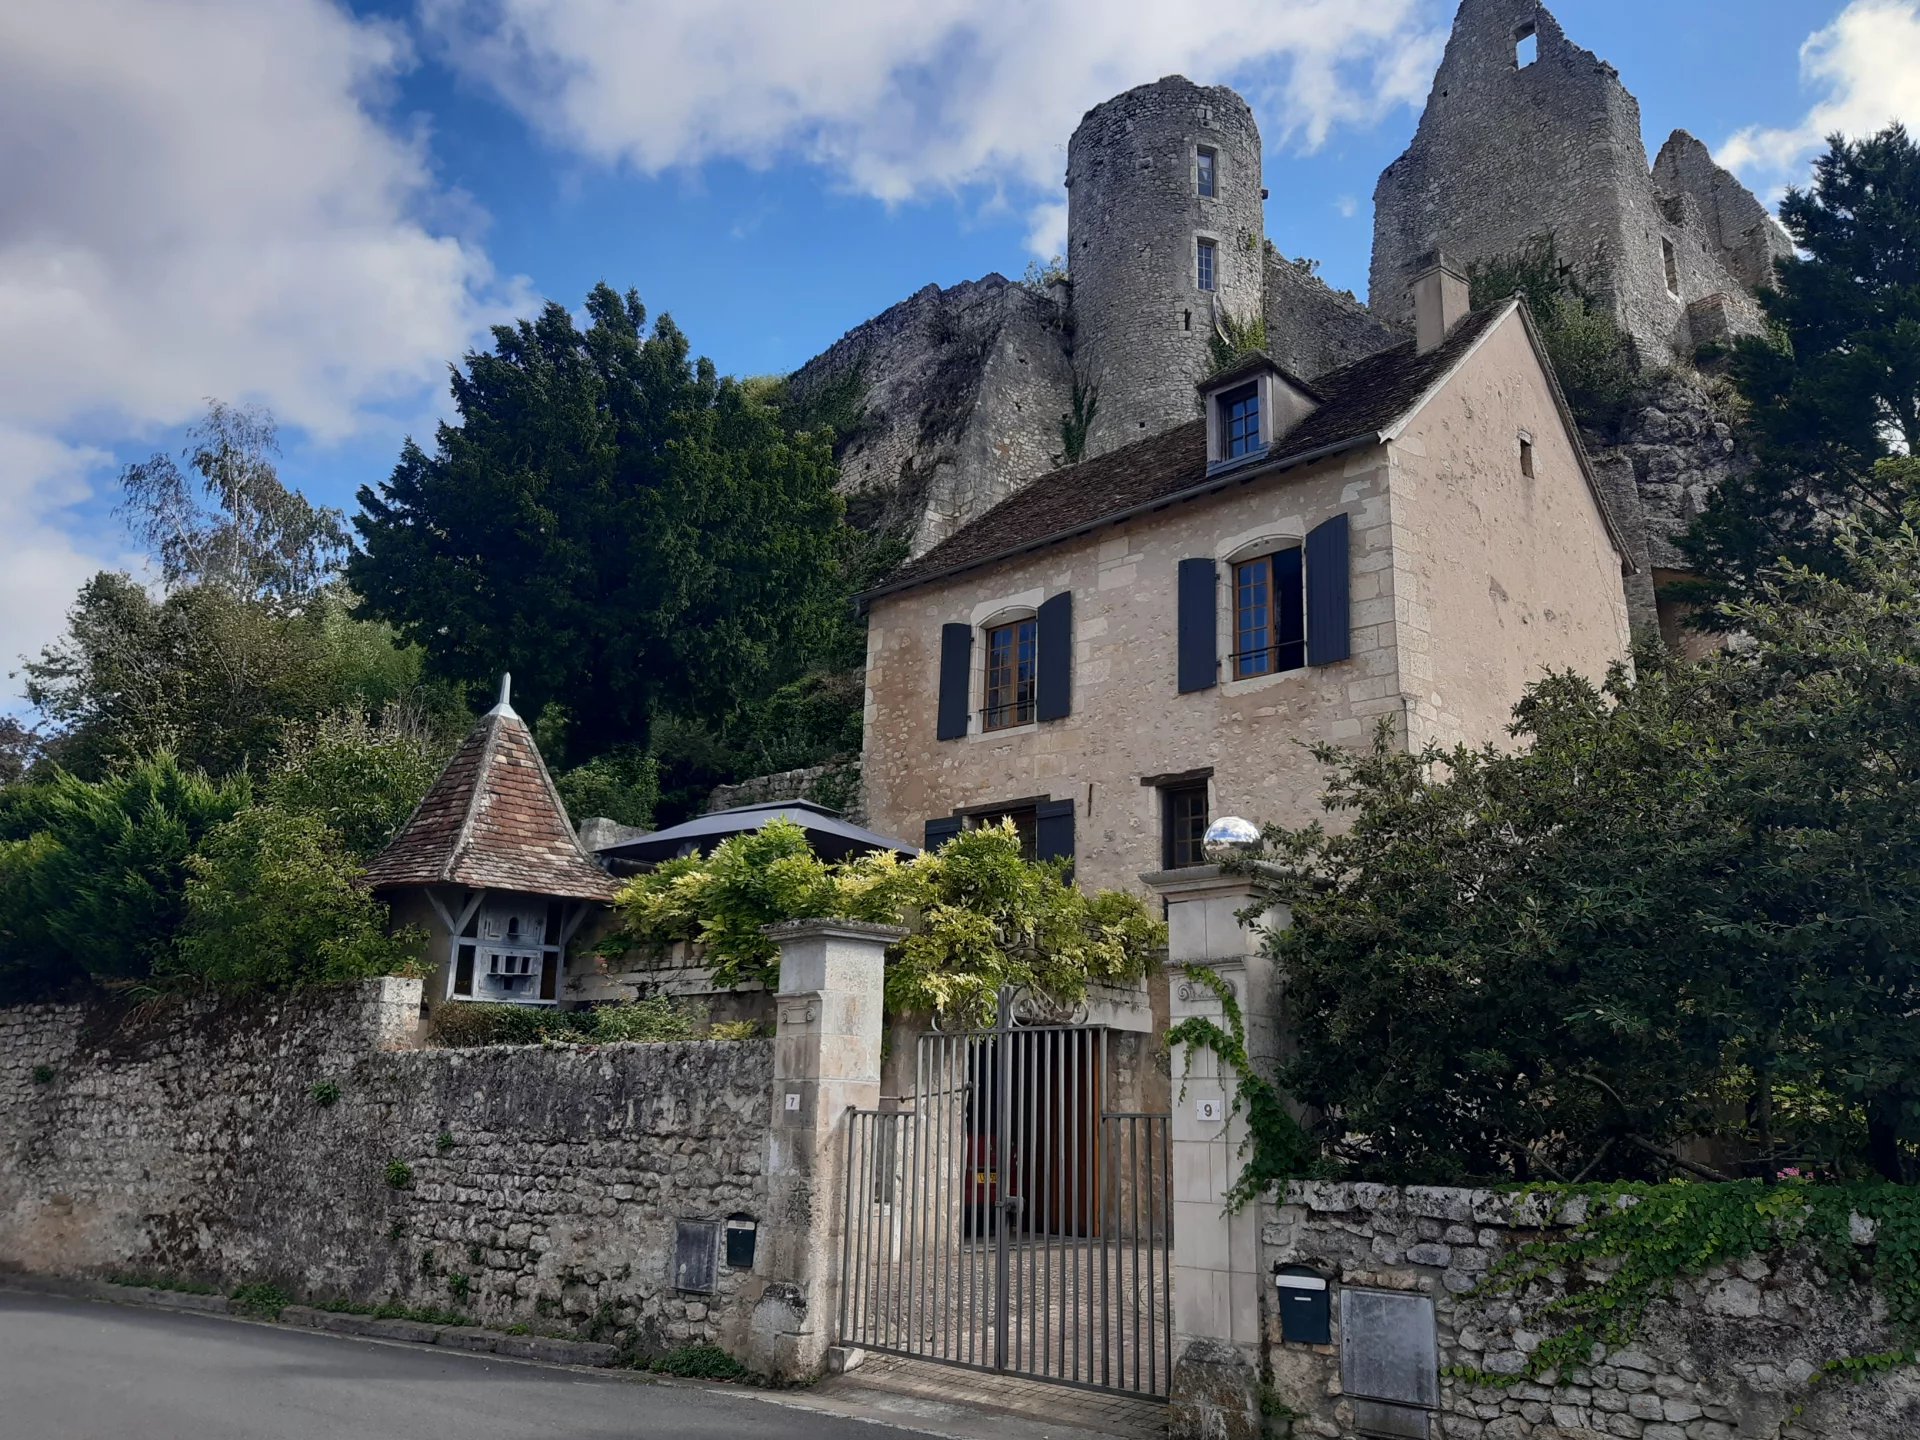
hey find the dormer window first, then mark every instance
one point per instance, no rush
(1240, 421)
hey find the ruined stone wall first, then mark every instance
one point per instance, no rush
(1507, 154)
(1728, 1357)
(1134, 219)
(1313, 328)
(191, 1145)
(961, 393)
(834, 783)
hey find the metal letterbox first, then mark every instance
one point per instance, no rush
(742, 1232)
(1306, 1305)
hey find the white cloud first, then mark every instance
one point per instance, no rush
(205, 198)
(901, 100)
(1347, 207)
(1865, 67)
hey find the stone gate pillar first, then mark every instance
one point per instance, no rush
(1217, 1279)
(826, 1048)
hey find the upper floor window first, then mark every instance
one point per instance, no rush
(1269, 615)
(1526, 46)
(1240, 422)
(1204, 264)
(1204, 172)
(1012, 655)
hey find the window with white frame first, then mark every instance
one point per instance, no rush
(1205, 254)
(1205, 172)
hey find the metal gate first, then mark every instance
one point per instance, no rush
(1001, 1217)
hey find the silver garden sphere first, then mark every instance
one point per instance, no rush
(1230, 832)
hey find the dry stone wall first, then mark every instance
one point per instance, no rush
(541, 1186)
(1728, 1357)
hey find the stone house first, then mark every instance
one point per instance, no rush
(1132, 646)
(489, 866)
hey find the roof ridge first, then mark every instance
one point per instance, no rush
(494, 722)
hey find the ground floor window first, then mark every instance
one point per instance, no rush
(1183, 824)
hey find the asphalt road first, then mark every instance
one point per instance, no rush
(77, 1370)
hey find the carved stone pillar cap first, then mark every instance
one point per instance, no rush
(833, 930)
(1193, 880)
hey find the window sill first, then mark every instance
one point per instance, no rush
(1249, 684)
(1238, 462)
(1005, 732)
(503, 1000)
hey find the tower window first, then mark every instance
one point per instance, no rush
(1204, 174)
(1204, 269)
(1526, 456)
(1672, 262)
(1526, 46)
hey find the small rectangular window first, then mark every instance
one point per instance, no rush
(1526, 46)
(1672, 262)
(1269, 615)
(463, 970)
(1012, 655)
(1526, 457)
(1205, 271)
(1240, 422)
(1183, 825)
(1205, 175)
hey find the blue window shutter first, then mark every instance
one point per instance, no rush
(1329, 612)
(1053, 830)
(1199, 641)
(1053, 699)
(956, 670)
(941, 830)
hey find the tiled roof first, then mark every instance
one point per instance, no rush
(493, 821)
(1359, 402)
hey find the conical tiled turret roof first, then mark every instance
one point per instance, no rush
(493, 821)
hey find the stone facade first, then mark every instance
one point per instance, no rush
(544, 1186)
(1451, 614)
(1727, 1357)
(1506, 154)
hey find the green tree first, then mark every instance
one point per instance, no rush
(1687, 903)
(1834, 389)
(273, 903)
(358, 776)
(93, 875)
(626, 531)
(622, 785)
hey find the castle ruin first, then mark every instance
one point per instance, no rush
(1526, 138)
(969, 392)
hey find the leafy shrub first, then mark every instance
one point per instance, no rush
(360, 776)
(93, 876)
(399, 1177)
(734, 1030)
(1235, 340)
(443, 1142)
(481, 1023)
(273, 904)
(699, 1362)
(324, 1093)
(622, 785)
(461, 1286)
(980, 916)
(260, 1300)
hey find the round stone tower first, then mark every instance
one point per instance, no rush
(1144, 239)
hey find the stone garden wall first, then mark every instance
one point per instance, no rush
(307, 1144)
(1729, 1356)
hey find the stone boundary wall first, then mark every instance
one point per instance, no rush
(544, 1184)
(1726, 1359)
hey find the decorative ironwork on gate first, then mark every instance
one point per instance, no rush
(1001, 1217)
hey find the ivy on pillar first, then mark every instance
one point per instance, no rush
(826, 1062)
(1218, 1291)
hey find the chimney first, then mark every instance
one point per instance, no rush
(1439, 300)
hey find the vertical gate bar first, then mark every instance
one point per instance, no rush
(867, 1272)
(943, 1163)
(1070, 1309)
(913, 1297)
(859, 1279)
(1022, 1163)
(1003, 1064)
(1166, 1250)
(890, 1233)
(1153, 1326)
(1029, 1188)
(1050, 1123)
(846, 1226)
(1107, 1210)
(1133, 1291)
(975, 1166)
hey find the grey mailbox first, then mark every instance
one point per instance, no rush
(1306, 1305)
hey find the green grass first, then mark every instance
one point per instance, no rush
(699, 1362)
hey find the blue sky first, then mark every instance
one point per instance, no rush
(319, 206)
